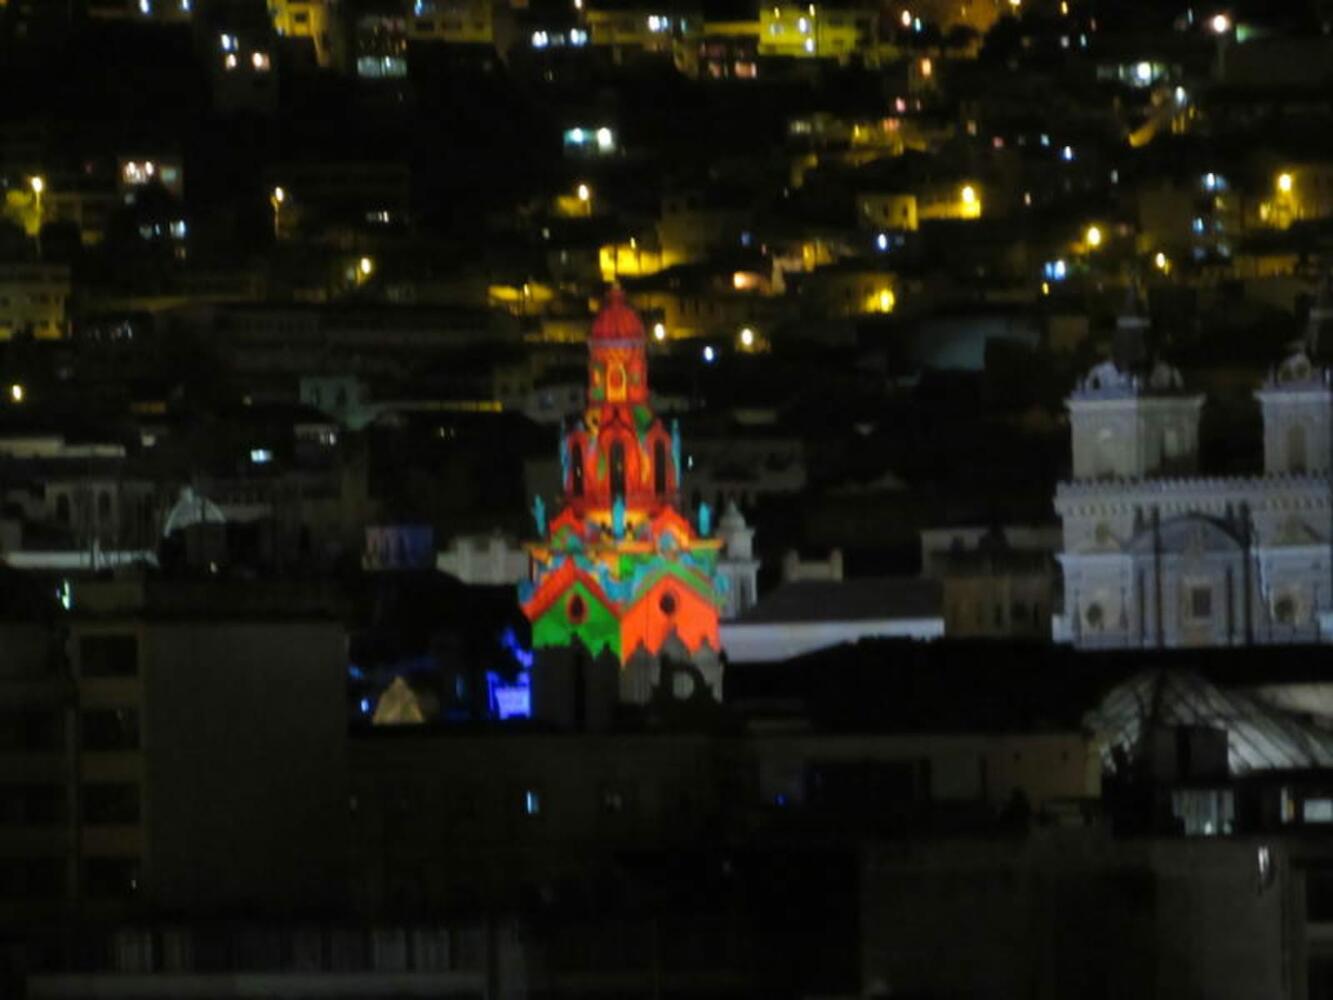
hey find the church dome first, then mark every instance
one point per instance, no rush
(732, 519)
(616, 320)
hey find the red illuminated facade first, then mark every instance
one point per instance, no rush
(619, 572)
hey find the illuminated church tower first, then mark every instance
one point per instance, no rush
(625, 593)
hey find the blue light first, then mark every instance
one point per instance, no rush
(710, 355)
(1055, 270)
(532, 802)
(882, 241)
(780, 799)
(365, 706)
(1067, 154)
(509, 642)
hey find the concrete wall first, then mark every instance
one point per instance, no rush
(245, 798)
(1074, 913)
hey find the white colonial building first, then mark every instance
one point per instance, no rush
(1155, 554)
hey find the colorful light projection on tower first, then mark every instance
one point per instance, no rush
(619, 569)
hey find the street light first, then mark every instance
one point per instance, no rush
(969, 194)
(38, 185)
(1285, 182)
(1094, 236)
(16, 393)
(659, 332)
(1160, 261)
(584, 192)
(276, 199)
(366, 266)
(1220, 24)
(747, 338)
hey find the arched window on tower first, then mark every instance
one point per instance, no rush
(659, 469)
(1296, 448)
(617, 470)
(576, 470)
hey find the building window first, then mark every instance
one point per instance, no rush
(108, 656)
(577, 610)
(32, 878)
(576, 469)
(618, 470)
(110, 729)
(1296, 449)
(1106, 452)
(32, 805)
(659, 469)
(31, 730)
(1284, 610)
(532, 802)
(108, 804)
(111, 878)
(1201, 603)
(1317, 811)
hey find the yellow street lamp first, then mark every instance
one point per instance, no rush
(659, 332)
(584, 192)
(747, 338)
(38, 185)
(366, 266)
(276, 198)
(1093, 237)
(969, 194)
(16, 393)
(1285, 182)
(1160, 261)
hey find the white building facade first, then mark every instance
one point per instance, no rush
(1155, 555)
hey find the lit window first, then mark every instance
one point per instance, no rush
(228, 43)
(260, 61)
(1317, 810)
(230, 61)
(261, 456)
(532, 802)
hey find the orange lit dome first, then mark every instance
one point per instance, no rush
(616, 320)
